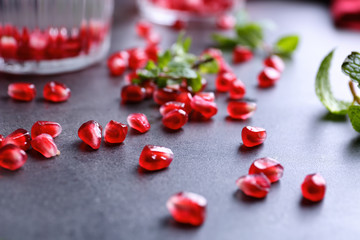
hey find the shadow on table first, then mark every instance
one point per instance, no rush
(240, 196)
(168, 221)
(246, 150)
(332, 117)
(304, 203)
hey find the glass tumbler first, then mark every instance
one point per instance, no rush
(53, 36)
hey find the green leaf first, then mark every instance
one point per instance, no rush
(164, 59)
(211, 67)
(180, 70)
(351, 66)
(224, 42)
(354, 115)
(161, 82)
(323, 89)
(286, 45)
(150, 71)
(195, 83)
(187, 44)
(250, 35)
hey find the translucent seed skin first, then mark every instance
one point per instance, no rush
(56, 92)
(132, 94)
(20, 138)
(12, 157)
(45, 145)
(117, 65)
(237, 90)
(164, 95)
(139, 122)
(254, 185)
(90, 133)
(225, 22)
(169, 106)
(206, 108)
(54, 129)
(207, 96)
(253, 136)
(224, 80)
(275, 62)
(268, 77)
(187, 208)
(175, 119)
(242, 54)
(186, 98)
(25, 92)
(314, 187)
(271, 168)
(241, 110)
(115, 132)
(154, 158)
(143, 28)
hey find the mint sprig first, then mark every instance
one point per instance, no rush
(286, 45)
(351, 66)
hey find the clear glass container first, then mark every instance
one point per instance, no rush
(53, 36)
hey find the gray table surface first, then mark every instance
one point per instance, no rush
(102, 194)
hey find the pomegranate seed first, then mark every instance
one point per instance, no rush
(143, 28)
(237, 90)
(268, 166)
(185, 98)
(22, 91)
(169, 106)
(120, 54)
(139, 122)
(137, 58)
(275, 62)
(187, 208)
(224, 80)
(155, 158)
(242, 54)
(164, 95)
(117, 65)
(8, 46)
(254, 185)
(241, 110)
(253, 136)
(20, 138)
(115, 132)
(268, 77)
(152, 52)
(56, 92)
(2, 139)
(129, 78)
(206, 108)
(153, 38)
(175, 119)
(207, 96)
(52, 128)
(225, 22)
(313, 188)
(179, 25)
(132, 93)
(45, 145)
(12, 157)
(90, 133)
(149, 87)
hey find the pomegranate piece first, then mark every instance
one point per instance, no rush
(253, 136)
(52, 128)
(268, 77)
(117, 65)
(90, 133)
(313, 188)
(271, 168)
(152, 51)
(153, 38)
(131, 76)
(164, 95)
(139, 122)
(206, 108)
(242, 54)
(237, 90)
(224, 80)
(149, 87)
(241, 110)
(137, 58)
(115, 132)
(254, 185)
(8, 46)
(179, 25)
(155, 158)
(12, 157)
(169, 106)
(185, 98)
(56, 92)
(143, 28)
(175, 119)
(275, 62)
(207, 96)
(187, 208)
(225, 22)
(45, 145)
(132, 93)
(22, 91)
(20, 138)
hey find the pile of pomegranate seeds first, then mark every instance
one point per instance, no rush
(22, 91)
(155, 158)
(187, 208)
(139, 122)
(313, 188)
(91, 133)
(274, 66)
(253, 136)
(242, 54)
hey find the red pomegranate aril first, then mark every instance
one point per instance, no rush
(56, 92)
(206, 108)
(253, 136)
(313, 188)
(2, 139)
(12, 157)
(52, 128)
(90, 133)
(137, 58)
(237, 90)
(241, 110)
(22, 91)
(132, 93)
(120, 54)
(207, 96)
(130, 77)
(45, 145)
(185, 98)
(115, 132)
(169, 106)
(154, 158)
(242, 54)
(143, 28)
(20, 138)
(187, 208)
(179, 25)
(268, 77)
(224, 80)
(225, 22)
(275, 62)
(117, 65)
(153, 38)
(8, 46)
(254, 185)
(139, 122)
(271, 168)
(175, 119)
(152, 51)
(164, 95)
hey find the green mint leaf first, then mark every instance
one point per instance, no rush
(286, 45)
(195, 83)
(180, 70)
(351, 66)
(187, 44)
(211, 67)
(161, 82)
(354, 115)
(150, 65)
(323, 89)
(224, 42)
(164, 59)
(150, 71)
(250, 35)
